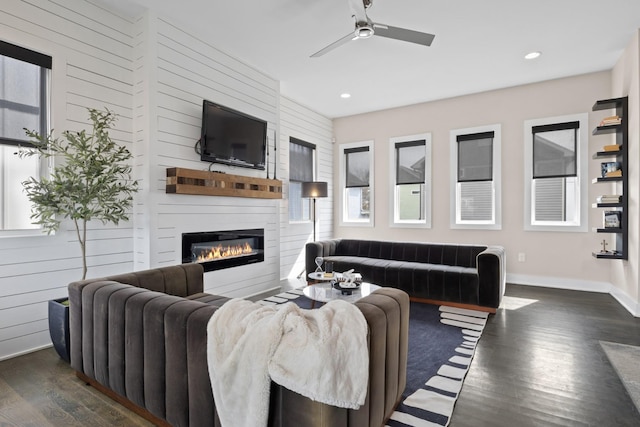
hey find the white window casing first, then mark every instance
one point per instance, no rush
(410, 181)
(557, 203)
(301, 169)
(25, 98)
(356, 202)
(476, 181)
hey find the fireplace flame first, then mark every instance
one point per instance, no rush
(219, 252)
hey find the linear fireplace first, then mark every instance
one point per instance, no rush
(216, 250)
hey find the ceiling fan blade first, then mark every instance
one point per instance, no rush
(334, 45)
(403, 34)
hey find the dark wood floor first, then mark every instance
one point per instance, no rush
(538, 363)
(39, 389)
(542, 364)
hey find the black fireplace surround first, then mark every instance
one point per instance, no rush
(216, 250)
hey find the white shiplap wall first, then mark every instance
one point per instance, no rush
(154, 75)
(175, 70)
(92, 67)
(299, 122)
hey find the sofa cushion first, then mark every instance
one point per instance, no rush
(421, 280)
(460, 255)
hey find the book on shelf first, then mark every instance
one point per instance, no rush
(612, 147)
(612, 219)
(609, 199)
(610, 121)
(613, 174)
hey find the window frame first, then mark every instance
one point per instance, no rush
(344, 221)
(313, 147)
(496, 223)
(394, 221)
(582, 145)
(45, 62)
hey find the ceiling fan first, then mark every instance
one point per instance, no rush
(365, 28)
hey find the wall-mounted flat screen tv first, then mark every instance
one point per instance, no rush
(231, 137)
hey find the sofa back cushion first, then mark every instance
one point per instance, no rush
(179, 280)
(432, 253)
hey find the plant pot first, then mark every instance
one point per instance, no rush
(59, 328)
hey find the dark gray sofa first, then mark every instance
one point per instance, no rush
(141, 339)
(466, 275)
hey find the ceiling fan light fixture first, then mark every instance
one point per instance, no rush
(364, 31)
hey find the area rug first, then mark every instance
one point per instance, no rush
(442, 342)
(625, 359)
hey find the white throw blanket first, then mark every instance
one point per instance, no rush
(321, 354)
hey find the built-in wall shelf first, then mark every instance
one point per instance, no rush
(607, 255)
(617, 153)
(205, 183)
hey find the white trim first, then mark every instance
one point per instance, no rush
(626, 301)
(583, 146)
(620, 296)
(497, 178)
(341, 166)
(428, 178)
(559, 283)
(28, 232)
(27, 351)
(264, 293)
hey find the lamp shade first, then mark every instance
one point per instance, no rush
(314, 189)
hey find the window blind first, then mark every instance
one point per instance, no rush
(475, 157)
(555, 150)
(357, 167)
(300, 160)
(24, 95)
(476, 201)
(550, 199)
(25, 55)
(410, 162)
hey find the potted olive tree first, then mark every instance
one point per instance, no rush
(90, 180)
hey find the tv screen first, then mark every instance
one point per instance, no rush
(231, 137)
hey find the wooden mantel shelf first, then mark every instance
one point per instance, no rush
(204, 183)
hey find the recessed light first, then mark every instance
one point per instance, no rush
(532, 55)
(345, 95)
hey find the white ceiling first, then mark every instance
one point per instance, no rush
(479, 45)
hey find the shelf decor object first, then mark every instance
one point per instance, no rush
(614, 169)
(204, 183)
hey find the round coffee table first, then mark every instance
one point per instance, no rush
(324, 292)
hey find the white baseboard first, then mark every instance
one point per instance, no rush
(22, 353)
(258, 295)
(625, 300)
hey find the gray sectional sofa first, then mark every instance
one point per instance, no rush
(141, 339)
(455, 274)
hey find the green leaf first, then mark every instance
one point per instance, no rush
(91, 180)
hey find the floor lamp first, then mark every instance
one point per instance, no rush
(314, 190)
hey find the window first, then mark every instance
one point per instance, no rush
(475, 165)
(356, 164)
(24, 103)
(554, 193)
(411, 199)
(301, 156)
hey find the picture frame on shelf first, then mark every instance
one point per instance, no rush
(608, 169)
(612, 219)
